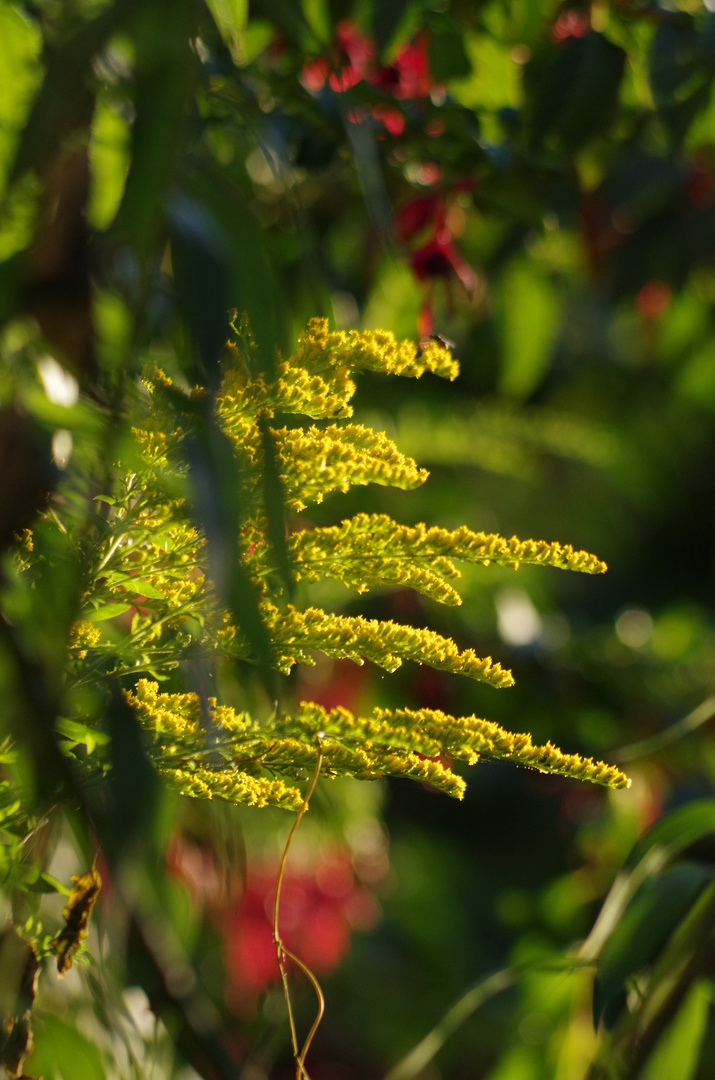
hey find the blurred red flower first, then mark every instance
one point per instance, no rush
(352, 61)
(320, 907)
(571, 24)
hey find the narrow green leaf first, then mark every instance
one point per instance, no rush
(217, 497)
(643, 931)
(81, 734)
(677, 831)
(140, 587)
(165, 66)
(677, 1053)
(290, 20)
(528, 320)
(201, 264)
(231, 17)
(251, 285)
(46, 883)
(107, 611)
(275, 508)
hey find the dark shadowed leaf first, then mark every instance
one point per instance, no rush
(574, 93)
(217, 496)
(131, 796)
(448, 57)
(680, 75)
(385, 20)
(164, 71)
(201, 266)
(290, 20)
(252, 287)
(275, 508)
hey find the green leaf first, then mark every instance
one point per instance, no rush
(385, 20)
(643, 931)
(528, 320)
(231, 17)
(675, 55)
(20, 875)
(250, 281)
(20, 49)
(61, 1050)
(680, 76)
(676, 831)
(218, 507)
(109, 160)
(107, 611)
(574, 94)
(201, 264)
(275, 508)
(165, 65)
(290, 20)
(46, 883)
(677, 1053)
(82, 735)
(128, 816)
(448, 58)
(141, 587)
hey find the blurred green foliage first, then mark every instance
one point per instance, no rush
(534, 181)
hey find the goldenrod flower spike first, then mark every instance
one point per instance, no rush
(151, 564)
(370, 350)
(241, 761)
(372, 549)
(295, 633)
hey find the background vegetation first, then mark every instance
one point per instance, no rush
(533, 181)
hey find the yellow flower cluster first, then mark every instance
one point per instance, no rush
(295, 390)
(351, 637)
(153, 558)
(316, 461)
(371, 350)
(414, 743)
(234, 787)
(372, 549)
(433, 733)
(84, 635)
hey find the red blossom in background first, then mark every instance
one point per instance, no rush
(654, 299)
(571, 24)
(438, 258)
(322, 903)
(699, 187)
(408, 77)
(352, 61)
(320, 908)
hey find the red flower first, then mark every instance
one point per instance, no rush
(654, 299)
(416, 215)
(355, 48)
(439, 258)
(571, 24)
(353, 60)
(409, 75)
(320, 908)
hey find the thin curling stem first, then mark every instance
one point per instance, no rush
(282, 953)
